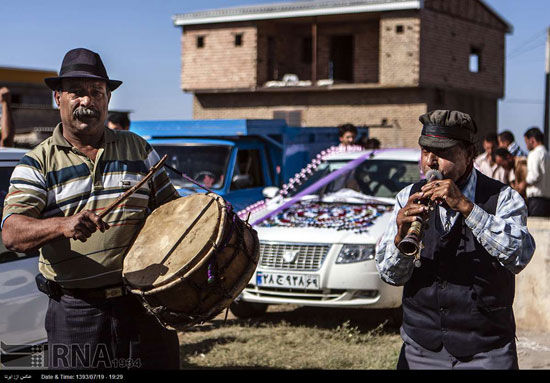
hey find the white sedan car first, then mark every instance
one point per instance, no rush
(22, 306)
(317, 244)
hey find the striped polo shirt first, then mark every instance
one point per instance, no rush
(56, 180)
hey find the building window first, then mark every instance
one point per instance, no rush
(307, 56)
(399, 29)
(475, 60)
(341, 58)
(200, 41)
(238, 39)
(272, 70)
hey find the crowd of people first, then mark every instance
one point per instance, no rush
(347, 135)
(504, 161)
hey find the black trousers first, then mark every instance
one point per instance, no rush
(107, 333)
(415, 357)
(538, 207)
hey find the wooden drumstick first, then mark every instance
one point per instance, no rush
(130, 191)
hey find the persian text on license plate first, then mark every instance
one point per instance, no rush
(298, 281)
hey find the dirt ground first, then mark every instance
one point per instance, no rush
(533, 347)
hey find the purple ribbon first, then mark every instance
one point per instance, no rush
(322, 182)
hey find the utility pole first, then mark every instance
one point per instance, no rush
(547, 91)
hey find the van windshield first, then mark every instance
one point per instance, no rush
(206, 164)
(377, 178)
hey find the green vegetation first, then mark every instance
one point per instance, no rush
(298, 338)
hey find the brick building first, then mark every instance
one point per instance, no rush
(379, 63)
(33, 115)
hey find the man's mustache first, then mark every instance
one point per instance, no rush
(83, 112)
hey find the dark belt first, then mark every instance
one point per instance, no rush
(99, 293)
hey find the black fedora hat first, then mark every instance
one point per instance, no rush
(81, 63)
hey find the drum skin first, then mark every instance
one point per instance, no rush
(190, 260)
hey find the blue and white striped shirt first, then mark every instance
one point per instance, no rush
(504, 235)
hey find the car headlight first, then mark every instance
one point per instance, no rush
(355, 253)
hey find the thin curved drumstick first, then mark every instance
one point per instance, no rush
(132, 190)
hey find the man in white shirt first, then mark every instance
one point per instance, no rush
(485, 162)
(538, 177)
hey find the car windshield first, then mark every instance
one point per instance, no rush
(372, 177)
(206, 164)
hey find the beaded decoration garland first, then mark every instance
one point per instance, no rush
(337, 216)
(301, 177)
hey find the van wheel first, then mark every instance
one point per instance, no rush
(245, 310)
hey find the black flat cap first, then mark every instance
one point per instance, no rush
(446, 128)
(81, 63)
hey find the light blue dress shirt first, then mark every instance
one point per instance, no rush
(504, 235)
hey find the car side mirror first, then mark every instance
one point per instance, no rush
(270, 192)
(241, 181)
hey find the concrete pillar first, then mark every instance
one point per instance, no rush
(532, 302)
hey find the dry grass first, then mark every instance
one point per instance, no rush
(294, 338)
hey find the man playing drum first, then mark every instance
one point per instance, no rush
(56, 193)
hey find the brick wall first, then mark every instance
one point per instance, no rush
(399, 49)
(446, 44)
(471, 10)
(399, 108)
(219, 64)
(366, 67)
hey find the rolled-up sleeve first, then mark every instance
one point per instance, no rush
(504, 235)
(394, 267)
(27, 194)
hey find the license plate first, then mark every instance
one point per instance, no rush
(298, 281)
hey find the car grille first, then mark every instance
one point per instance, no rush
(309, 295)
(309, 258)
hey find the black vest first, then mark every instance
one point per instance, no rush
(460, 297)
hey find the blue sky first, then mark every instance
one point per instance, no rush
(140, 46)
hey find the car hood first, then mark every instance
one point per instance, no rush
(343, 217)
